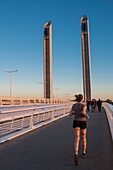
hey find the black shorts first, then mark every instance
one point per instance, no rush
(81, 124)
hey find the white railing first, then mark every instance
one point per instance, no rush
(15, 100)
(109, 112)
(16, 121)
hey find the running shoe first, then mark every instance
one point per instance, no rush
(84, 155)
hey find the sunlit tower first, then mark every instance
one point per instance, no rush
(86, 58)
(48, 87)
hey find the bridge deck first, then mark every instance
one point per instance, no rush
(51, 147)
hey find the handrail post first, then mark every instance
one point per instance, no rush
(31, 122)
(12, 124)
(52, 114)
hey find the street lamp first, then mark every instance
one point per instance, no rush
(41, 87)
(67, 95)
(57, 91)
(10, 72)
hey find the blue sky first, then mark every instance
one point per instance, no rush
(21, 46)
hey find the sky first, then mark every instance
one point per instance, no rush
(21, 46)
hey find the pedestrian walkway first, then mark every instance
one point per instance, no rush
(52, 147)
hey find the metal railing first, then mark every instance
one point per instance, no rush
(15, 122)
(5, 100)
(109, 112)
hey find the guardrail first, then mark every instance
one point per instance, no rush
(15, 122)
(15, 100)
(109, 112)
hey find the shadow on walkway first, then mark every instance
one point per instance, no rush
(52, 147)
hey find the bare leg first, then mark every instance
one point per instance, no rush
(84, 140)
(77, 139)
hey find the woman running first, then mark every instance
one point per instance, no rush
(79, 123)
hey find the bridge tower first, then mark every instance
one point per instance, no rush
(48, 89)
(86, 58)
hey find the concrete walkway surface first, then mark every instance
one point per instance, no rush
(51, 147)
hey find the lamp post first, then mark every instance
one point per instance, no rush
(10, 72)
(67, 96)
(57, 91)
(41, 83)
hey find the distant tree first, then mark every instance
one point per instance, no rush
(109, 101)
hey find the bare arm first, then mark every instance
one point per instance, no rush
(84, 112)
(71, 111)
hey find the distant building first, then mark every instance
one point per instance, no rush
(48, 89)
(86, 58)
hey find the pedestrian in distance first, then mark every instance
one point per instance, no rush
(79, 124)
(93, 105)
(99, 105)
(88, 105)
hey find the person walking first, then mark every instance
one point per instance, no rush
(99, 105)
(93, 105)
(88, 105)
(79, 124)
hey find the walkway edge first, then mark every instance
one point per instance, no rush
(24, 131)
(109, 114)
